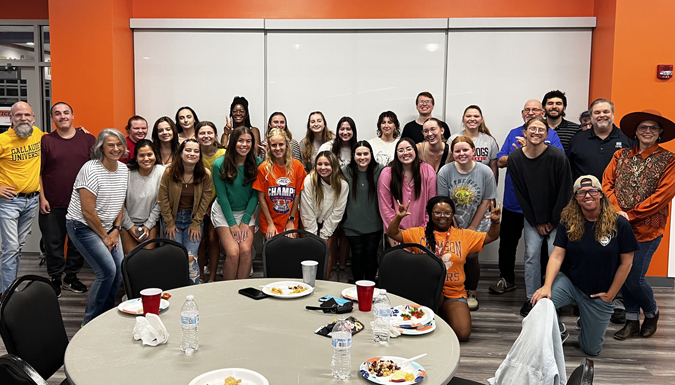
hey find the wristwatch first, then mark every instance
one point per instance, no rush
(291, 218)
(118, 228)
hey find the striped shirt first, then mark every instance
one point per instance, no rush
(566, 130)
(110, 189)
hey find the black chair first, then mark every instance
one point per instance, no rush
(462, 381)
(282, 255)
(165, 267)
(583, 374)
(31, 325)
(417, 277)
(15, 371)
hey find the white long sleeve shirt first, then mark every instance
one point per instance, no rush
(331, 211)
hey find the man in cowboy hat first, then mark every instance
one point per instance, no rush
(640, 182)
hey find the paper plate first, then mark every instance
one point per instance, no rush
(135, 306)
(350, 293)
(287, 293)
(217, 377)
(418, 331)
(398, 311)
(411, 367)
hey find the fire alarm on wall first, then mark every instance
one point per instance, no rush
(664, 71)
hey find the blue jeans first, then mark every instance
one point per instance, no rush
(637, 294)
(183, 222)
(107, 266)
(594, 313)
(16, 218)
(533, 243)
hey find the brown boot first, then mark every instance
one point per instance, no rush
(631, 329)
(649, 326)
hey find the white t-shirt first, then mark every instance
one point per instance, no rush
(345, 153)
(486, 147)
(110, 189)
(383, 152)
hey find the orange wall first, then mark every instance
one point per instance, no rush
(92, 60)
(25, 9)
(359, 9)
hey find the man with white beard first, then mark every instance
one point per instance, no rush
(19, 187)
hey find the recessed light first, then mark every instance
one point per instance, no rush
(30, 43)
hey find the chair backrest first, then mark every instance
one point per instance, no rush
(15, 371)
(417, 277)
(282, 255)
(165, 267)
(583, 374)
(31, 325)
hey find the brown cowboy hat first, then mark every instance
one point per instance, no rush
(630, 122)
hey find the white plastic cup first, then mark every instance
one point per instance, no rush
(309, 269)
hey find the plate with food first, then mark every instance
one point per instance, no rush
(287, 289)
(350, 293)
(420, 330)
(411, 316)
(388, 370)
(232, 376)
(135, 306)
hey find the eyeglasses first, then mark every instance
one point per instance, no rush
(589, 124)
(528, 110)
(442, 213)
(644, 128)
(535, 129)
(425, 102)
(404, 150)
(591, 192)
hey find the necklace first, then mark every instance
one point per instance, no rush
(186, 183)
(440, 249)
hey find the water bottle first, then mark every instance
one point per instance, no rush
(382, 312)
(342, 349)
(189, 320)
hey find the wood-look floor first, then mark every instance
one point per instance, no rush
(496, 325)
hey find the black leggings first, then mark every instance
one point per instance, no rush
(472, 271)
(364, 255)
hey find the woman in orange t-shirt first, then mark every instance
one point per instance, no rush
(279, 182)
(452, 245)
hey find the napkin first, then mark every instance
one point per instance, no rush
(151, 330)
(393, 330)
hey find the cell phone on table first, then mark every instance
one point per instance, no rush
(252, 292)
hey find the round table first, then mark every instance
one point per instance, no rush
(274, 337)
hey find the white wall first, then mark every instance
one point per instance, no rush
(360, 68)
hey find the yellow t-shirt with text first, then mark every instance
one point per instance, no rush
(20, 161)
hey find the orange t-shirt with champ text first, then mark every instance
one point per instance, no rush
(452, 247)
(280, 191)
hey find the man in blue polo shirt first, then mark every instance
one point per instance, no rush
(512, 214)
(591, 151)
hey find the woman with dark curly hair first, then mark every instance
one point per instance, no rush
(451, 245)
(591, 258)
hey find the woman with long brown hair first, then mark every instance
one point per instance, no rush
(316, 135)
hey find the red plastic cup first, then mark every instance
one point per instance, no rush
(151, 299)
(364, 294)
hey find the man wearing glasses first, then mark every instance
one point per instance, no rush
(591, 151)
(425, 105)
(512, 214)
(543, 185)
(585, 120)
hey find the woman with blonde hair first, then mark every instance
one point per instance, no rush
(279, 183)
(592, 256)
(317, 134)
(324, 200)
(476, 129)
(471, 186)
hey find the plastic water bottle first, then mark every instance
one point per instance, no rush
(189, 319)
(382, 312)
(342, 349)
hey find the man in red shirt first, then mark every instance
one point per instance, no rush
(64, 151)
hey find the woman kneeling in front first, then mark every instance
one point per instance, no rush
(592, 257)
(452, 246)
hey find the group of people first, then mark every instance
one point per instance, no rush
(423, 185)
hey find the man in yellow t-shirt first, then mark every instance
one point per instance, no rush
(19, 187)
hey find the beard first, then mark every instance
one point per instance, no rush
(23, 130)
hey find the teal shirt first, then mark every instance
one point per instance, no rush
(362, 216)
(234, 196)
